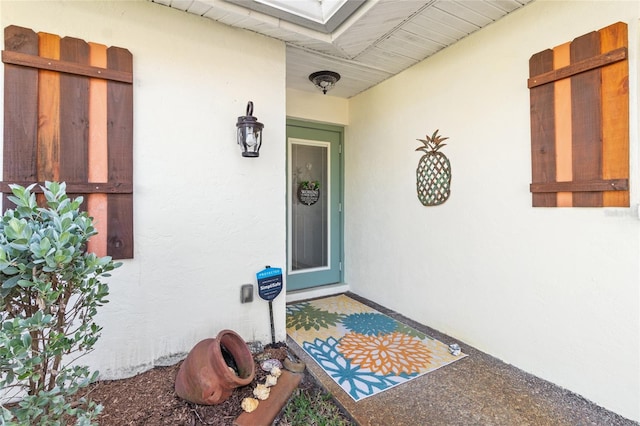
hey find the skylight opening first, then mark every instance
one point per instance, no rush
(320, 15)
(319, 11)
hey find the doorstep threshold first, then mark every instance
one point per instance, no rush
(314, 292)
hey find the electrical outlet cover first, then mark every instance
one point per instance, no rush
(246, 293)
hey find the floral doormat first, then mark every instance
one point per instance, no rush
(361, 349)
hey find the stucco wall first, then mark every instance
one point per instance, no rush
(202, 226)
(317, 107)
(554, 291)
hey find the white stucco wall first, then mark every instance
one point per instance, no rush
(317, 107)
(206, 219)
(554, 291)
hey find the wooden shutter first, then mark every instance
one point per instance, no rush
(68, 117)
(579, 94)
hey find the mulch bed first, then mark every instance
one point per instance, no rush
(149, 398)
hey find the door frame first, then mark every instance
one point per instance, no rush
(340, 188)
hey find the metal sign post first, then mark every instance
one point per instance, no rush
(269, 287)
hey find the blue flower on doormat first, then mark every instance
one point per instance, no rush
(306, 316)
(370, 324)
(356, 381)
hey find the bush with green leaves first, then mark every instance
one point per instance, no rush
(51, 289)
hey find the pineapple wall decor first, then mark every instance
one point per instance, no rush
(433, 175)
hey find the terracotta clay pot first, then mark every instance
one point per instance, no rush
(205, 377)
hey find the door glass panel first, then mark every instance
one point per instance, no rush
(308, 203)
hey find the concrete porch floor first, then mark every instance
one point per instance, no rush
(477, 390)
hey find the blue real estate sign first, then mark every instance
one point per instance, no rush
(269, 283)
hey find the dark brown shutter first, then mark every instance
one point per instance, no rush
(580, 132)
(48, 121)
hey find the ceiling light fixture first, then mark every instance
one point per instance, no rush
(324, 80)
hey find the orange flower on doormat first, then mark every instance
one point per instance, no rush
(394, 353)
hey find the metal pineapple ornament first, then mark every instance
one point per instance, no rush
(433, 175)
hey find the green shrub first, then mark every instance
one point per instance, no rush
(50, 289)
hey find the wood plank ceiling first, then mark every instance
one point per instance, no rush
(381, 39)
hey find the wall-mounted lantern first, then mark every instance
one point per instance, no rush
(249, 133)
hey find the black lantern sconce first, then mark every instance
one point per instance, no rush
(249, 133)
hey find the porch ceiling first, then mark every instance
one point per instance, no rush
(376, 41)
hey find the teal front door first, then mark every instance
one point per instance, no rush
(314, 205)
